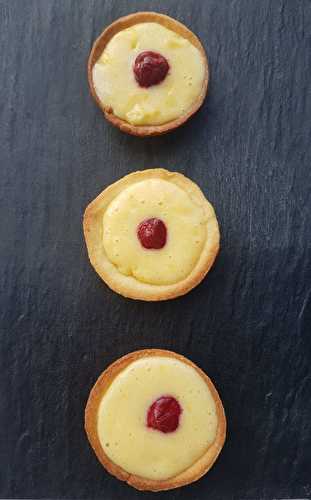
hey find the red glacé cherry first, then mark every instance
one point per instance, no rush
(152, 233)
(163, 415)
(150, 68)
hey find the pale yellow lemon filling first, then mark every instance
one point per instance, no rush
(117, 88)
(186, 232)
(146, 452)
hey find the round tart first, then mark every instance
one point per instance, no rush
(155, 420)
(152, 235)
(148, 73)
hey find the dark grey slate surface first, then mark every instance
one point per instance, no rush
(247, 325)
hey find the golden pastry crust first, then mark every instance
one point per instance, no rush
(195, 471)
(126, 22)
(128, 286)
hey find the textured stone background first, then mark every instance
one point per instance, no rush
(247, 325)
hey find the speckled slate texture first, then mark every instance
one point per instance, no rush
(247, 325)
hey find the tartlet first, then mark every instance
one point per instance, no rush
(152, 235)
(156, 413)
(131, 122)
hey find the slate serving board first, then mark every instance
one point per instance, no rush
(247, 324)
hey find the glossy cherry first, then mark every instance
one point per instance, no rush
(163, 415)
(150, 68)
(152, 233)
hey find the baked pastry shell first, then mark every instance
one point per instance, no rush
(126, 22)
(129, 286)
(192, 473)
